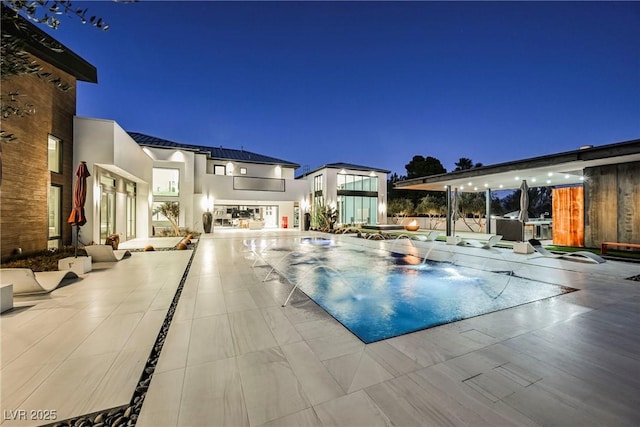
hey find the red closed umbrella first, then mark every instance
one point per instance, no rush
(77, 216)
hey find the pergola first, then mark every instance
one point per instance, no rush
(560, 169)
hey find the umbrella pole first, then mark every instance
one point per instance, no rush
(77, 237)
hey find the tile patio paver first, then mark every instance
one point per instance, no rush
(235, 357)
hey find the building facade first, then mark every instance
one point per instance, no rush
(358, 193)
(37, 162)
(119, 188)
(238, 188)
(133, 174)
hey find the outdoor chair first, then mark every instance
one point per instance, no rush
(106, 253)
(26, 282)
(582, 256)
(430, 237)
(477, 244)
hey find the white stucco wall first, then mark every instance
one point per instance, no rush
(330, 187)
(104, 145)
(185, 162)
(254, 169)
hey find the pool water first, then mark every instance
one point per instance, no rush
(378, 294)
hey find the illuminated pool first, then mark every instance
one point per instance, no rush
(378, 294)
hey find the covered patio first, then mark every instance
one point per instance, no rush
(585, 182)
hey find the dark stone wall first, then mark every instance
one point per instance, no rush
(612, 204)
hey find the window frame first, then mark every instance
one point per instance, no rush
(58, 153)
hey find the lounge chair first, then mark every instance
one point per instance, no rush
(430, 237)
(26, 282)
(583, 256)
(106, 253)
(477, 244)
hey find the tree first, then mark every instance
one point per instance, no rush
(465, 163)
(400, 208)
(472, 206)
(421, 166)
(324, 217)
(434, 206)
(171, 211)
(539, 201)
(14, 57)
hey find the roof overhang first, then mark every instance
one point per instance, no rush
(48, 49)
(552, 170)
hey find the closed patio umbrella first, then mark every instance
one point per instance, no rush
(77, 216)
(454, 209)
(523, 216)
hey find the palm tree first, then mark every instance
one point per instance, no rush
(463, 163)
(171, 211)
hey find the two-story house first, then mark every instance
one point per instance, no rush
(240, 188)
(133, 173)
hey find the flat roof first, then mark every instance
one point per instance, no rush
(349, 166)
(550, 170)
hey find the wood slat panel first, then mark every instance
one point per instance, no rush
(629, 203)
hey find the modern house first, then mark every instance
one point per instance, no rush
(240, 188)
(595, 190)
(37, 160)
(358, 193)
(119, 188)
(133, 173)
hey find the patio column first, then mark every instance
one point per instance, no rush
(448, 210)
(488, 210)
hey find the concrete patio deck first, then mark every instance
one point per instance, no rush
(234, 357)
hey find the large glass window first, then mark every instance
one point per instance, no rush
(131, 210)
(370, 183)
(357, 209)
(55, 209)
(55, 154)
(166, 182)
(317, 184)
(357, 198)
(357, 182)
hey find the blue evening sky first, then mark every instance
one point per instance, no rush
(371, 83)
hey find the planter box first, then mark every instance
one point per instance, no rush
(523, 248)
(6, 298)
(80, 265)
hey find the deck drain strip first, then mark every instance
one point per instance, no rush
(127, 415)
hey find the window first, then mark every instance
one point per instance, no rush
(219, 170)
(357, 209)
(243, 171)
(317, 184)
(107, 181)
(131, 210)
(55, 207)
(357, 183)
(55, 154)
(166, 182)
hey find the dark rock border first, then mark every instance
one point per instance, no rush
(127, 415)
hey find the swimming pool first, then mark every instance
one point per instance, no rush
(378, 293)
